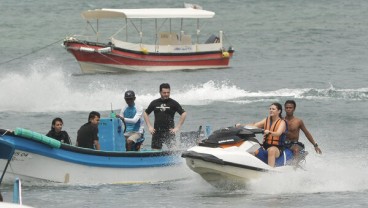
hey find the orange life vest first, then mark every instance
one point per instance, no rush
(270, 140)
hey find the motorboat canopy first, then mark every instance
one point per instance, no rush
(148, 13)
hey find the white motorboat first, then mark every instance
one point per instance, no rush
(169, 44)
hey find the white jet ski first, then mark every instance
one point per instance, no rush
(226, 158)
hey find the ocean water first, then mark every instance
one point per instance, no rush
(314, 52)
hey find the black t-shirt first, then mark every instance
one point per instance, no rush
(164, 111)
(61, 136)
(86, 135)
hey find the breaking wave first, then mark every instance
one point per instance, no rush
(43, 91)
(333, 93)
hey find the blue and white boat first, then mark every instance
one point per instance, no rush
(6, 154)
(38, 157)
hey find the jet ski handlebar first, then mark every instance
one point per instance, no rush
(254, 129)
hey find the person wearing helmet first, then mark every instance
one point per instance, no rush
(131, 113)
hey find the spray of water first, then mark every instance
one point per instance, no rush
(335, 172)
(42, 90)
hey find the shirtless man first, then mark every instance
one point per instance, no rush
(294, 126)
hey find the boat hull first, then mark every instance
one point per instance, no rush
(34, 160)
(33, 167)
(115, 60)
(221, 172)
(222, 176)
(231, 167)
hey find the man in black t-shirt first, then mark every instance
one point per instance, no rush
(87, 135)
(164, 109)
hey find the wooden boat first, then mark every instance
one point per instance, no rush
(38, 157)
(166, 46)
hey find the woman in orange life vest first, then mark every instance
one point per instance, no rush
(274, 135)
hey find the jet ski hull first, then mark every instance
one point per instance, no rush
(231, 167)
(223, 175)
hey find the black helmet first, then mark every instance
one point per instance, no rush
(129, 94)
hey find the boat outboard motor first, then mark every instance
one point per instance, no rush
(226, 136)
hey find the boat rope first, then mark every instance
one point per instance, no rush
(7, 130)
(34, 51)
(118, 31)
(89, 23)
(226, 39)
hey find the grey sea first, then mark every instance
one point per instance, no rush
(314, 52)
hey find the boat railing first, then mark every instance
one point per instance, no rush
(186, 40)
(169, 38)
(85, 38)
(169, 43)
(131, 46)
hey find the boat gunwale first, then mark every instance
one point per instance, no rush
(86, 151)
(113, 47)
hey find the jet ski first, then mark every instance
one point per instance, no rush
(226, 158)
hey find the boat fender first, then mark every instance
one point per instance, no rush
(85, 49)
(144, 50)
(225, 54)
(71, 39)
(37, 137)
(104, 50)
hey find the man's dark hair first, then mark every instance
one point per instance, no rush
(93, 114)
(290, 102)
(164, 85)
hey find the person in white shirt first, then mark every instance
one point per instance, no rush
(132, 115)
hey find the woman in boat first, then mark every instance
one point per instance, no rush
(274, 135)
(57, 133)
